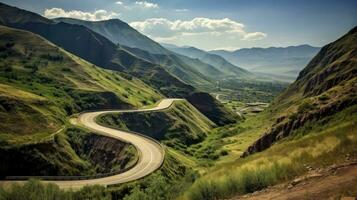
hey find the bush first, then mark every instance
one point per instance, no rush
(243, 181)
(34, 190)
(306, 106)
(323, 97)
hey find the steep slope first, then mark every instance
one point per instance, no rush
(41, 86)
(190, 70)
(215, 60)
(175, 66)
(324, 88)
(179, 126)
(309, 129)
(97, 49)
(287, 61)
(119, 32)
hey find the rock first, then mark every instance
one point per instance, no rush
(296, 181)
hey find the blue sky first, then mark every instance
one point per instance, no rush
(220, 24)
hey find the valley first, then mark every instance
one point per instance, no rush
(95, 107)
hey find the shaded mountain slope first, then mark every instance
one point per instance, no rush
(119, 32)
(217, 61)
(97, 49)
(41, 86)
(183, 124)
(184, 66)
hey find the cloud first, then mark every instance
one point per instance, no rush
(95, 16)
(163, 29)
(119, 2)
(146, 4)
(181, 10)
(254, 36)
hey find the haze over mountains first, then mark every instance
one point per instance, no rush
(206, 57)
(284, 61)
(190, 70)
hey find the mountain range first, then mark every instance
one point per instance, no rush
(209, 58)
(100, 51)
(286, 62)
(187, 68)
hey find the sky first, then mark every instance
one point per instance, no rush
(215, 24)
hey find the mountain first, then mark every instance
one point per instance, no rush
(212, 59)
(303, 137)
(119, 32)
(187, 68)
(41, 86)
(286, 61)
(98, 50)
(324, 88)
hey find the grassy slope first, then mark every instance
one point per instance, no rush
(56, 83)
(315, 119)
(40, 82)
(317, 145)
(166, 183)
(86, 43)
(179, 126)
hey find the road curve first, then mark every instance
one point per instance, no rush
(151, 153)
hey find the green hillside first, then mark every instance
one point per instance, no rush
(40, 82)
(179, 126)
(182, 65)
(312, 123)
(119, 32)
(86, 44)
(226, 68)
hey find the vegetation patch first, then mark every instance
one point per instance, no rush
(179, 126)
(325, 144)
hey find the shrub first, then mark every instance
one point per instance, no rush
(306, 106)
(323, 97)
(243, 181)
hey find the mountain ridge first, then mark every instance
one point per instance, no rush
(79, 40)
(286, 61)
(325, 87)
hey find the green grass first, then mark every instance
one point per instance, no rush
(166, 183)
(37, 77)
(34, 190)
(41, 86)
(178, 127)
(320, 146)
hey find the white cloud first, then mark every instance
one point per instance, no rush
(163, 29)
(146, 4)
(119, 2)
(181, 10)
(254, 36)
(94, 16)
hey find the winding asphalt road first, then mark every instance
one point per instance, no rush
(151, 153)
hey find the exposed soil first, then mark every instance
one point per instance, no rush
(334, 182)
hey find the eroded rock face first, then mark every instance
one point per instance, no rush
(108, 153)
(74, 154)
(105, 154)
